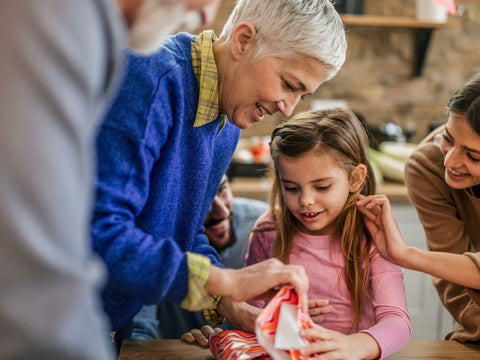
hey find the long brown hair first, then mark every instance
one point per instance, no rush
(339, 133)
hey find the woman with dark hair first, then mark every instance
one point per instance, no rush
(443, 180)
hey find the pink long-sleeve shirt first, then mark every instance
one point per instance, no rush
(384, 315)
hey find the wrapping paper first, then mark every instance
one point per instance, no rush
(277, 333)
(279, 324)
(236, 345)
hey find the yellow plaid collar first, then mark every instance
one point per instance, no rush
(205, 70)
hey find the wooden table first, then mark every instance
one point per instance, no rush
(162, 350)
(430, 350)
(178, 350)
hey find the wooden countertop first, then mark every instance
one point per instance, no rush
(163, 350)
(179, 350)
(259, 188)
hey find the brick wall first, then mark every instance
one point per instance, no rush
(377, 78)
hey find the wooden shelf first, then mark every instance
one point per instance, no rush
(394, 21)
(423, 30)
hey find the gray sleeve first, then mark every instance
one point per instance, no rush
(58, 63)
(145, 323)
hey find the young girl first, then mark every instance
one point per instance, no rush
(320, 169)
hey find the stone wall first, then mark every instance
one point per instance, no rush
(377, 78)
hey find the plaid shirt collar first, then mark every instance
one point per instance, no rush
(205, 70)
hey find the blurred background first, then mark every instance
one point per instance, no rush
(380, 80)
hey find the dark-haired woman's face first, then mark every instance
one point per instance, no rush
(460, 145)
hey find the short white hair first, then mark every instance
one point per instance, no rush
(289, 28)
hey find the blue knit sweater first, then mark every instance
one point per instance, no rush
(157, 177)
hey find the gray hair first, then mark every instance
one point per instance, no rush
(288, 28)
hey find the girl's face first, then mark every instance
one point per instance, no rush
(315, 189)
(460, 145)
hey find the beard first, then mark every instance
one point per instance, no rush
(155, 20)
(220, 247)
(214, 221)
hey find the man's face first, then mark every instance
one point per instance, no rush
(218, 221)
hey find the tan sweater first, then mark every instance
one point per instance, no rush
(451, 220)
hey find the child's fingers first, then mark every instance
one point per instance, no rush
(317, 332)
(314, 303)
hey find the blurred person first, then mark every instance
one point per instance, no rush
(60, 66)
(168, 139)
(152, 20)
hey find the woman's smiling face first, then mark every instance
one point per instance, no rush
(460, 145)
(267, 85)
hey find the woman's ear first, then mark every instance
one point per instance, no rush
(357, 177)
(243, 39)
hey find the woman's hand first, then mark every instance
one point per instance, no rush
(317, 308)
(258, 281)
(383, 228)
(200, 336)
(332, 345)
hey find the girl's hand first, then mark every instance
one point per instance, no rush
(317, 308)
(333, 345)
(383, 227)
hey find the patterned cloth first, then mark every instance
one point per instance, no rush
(211, 314)
(236, 345)
(240, 345)
(208, 110)
(205, 70)
(268, 329)
(198, 270)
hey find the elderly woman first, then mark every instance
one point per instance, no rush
(443, 179)
(169, 137)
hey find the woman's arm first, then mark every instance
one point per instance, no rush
(459, 269)
(391, 245)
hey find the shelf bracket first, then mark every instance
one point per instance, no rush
(422, 40)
